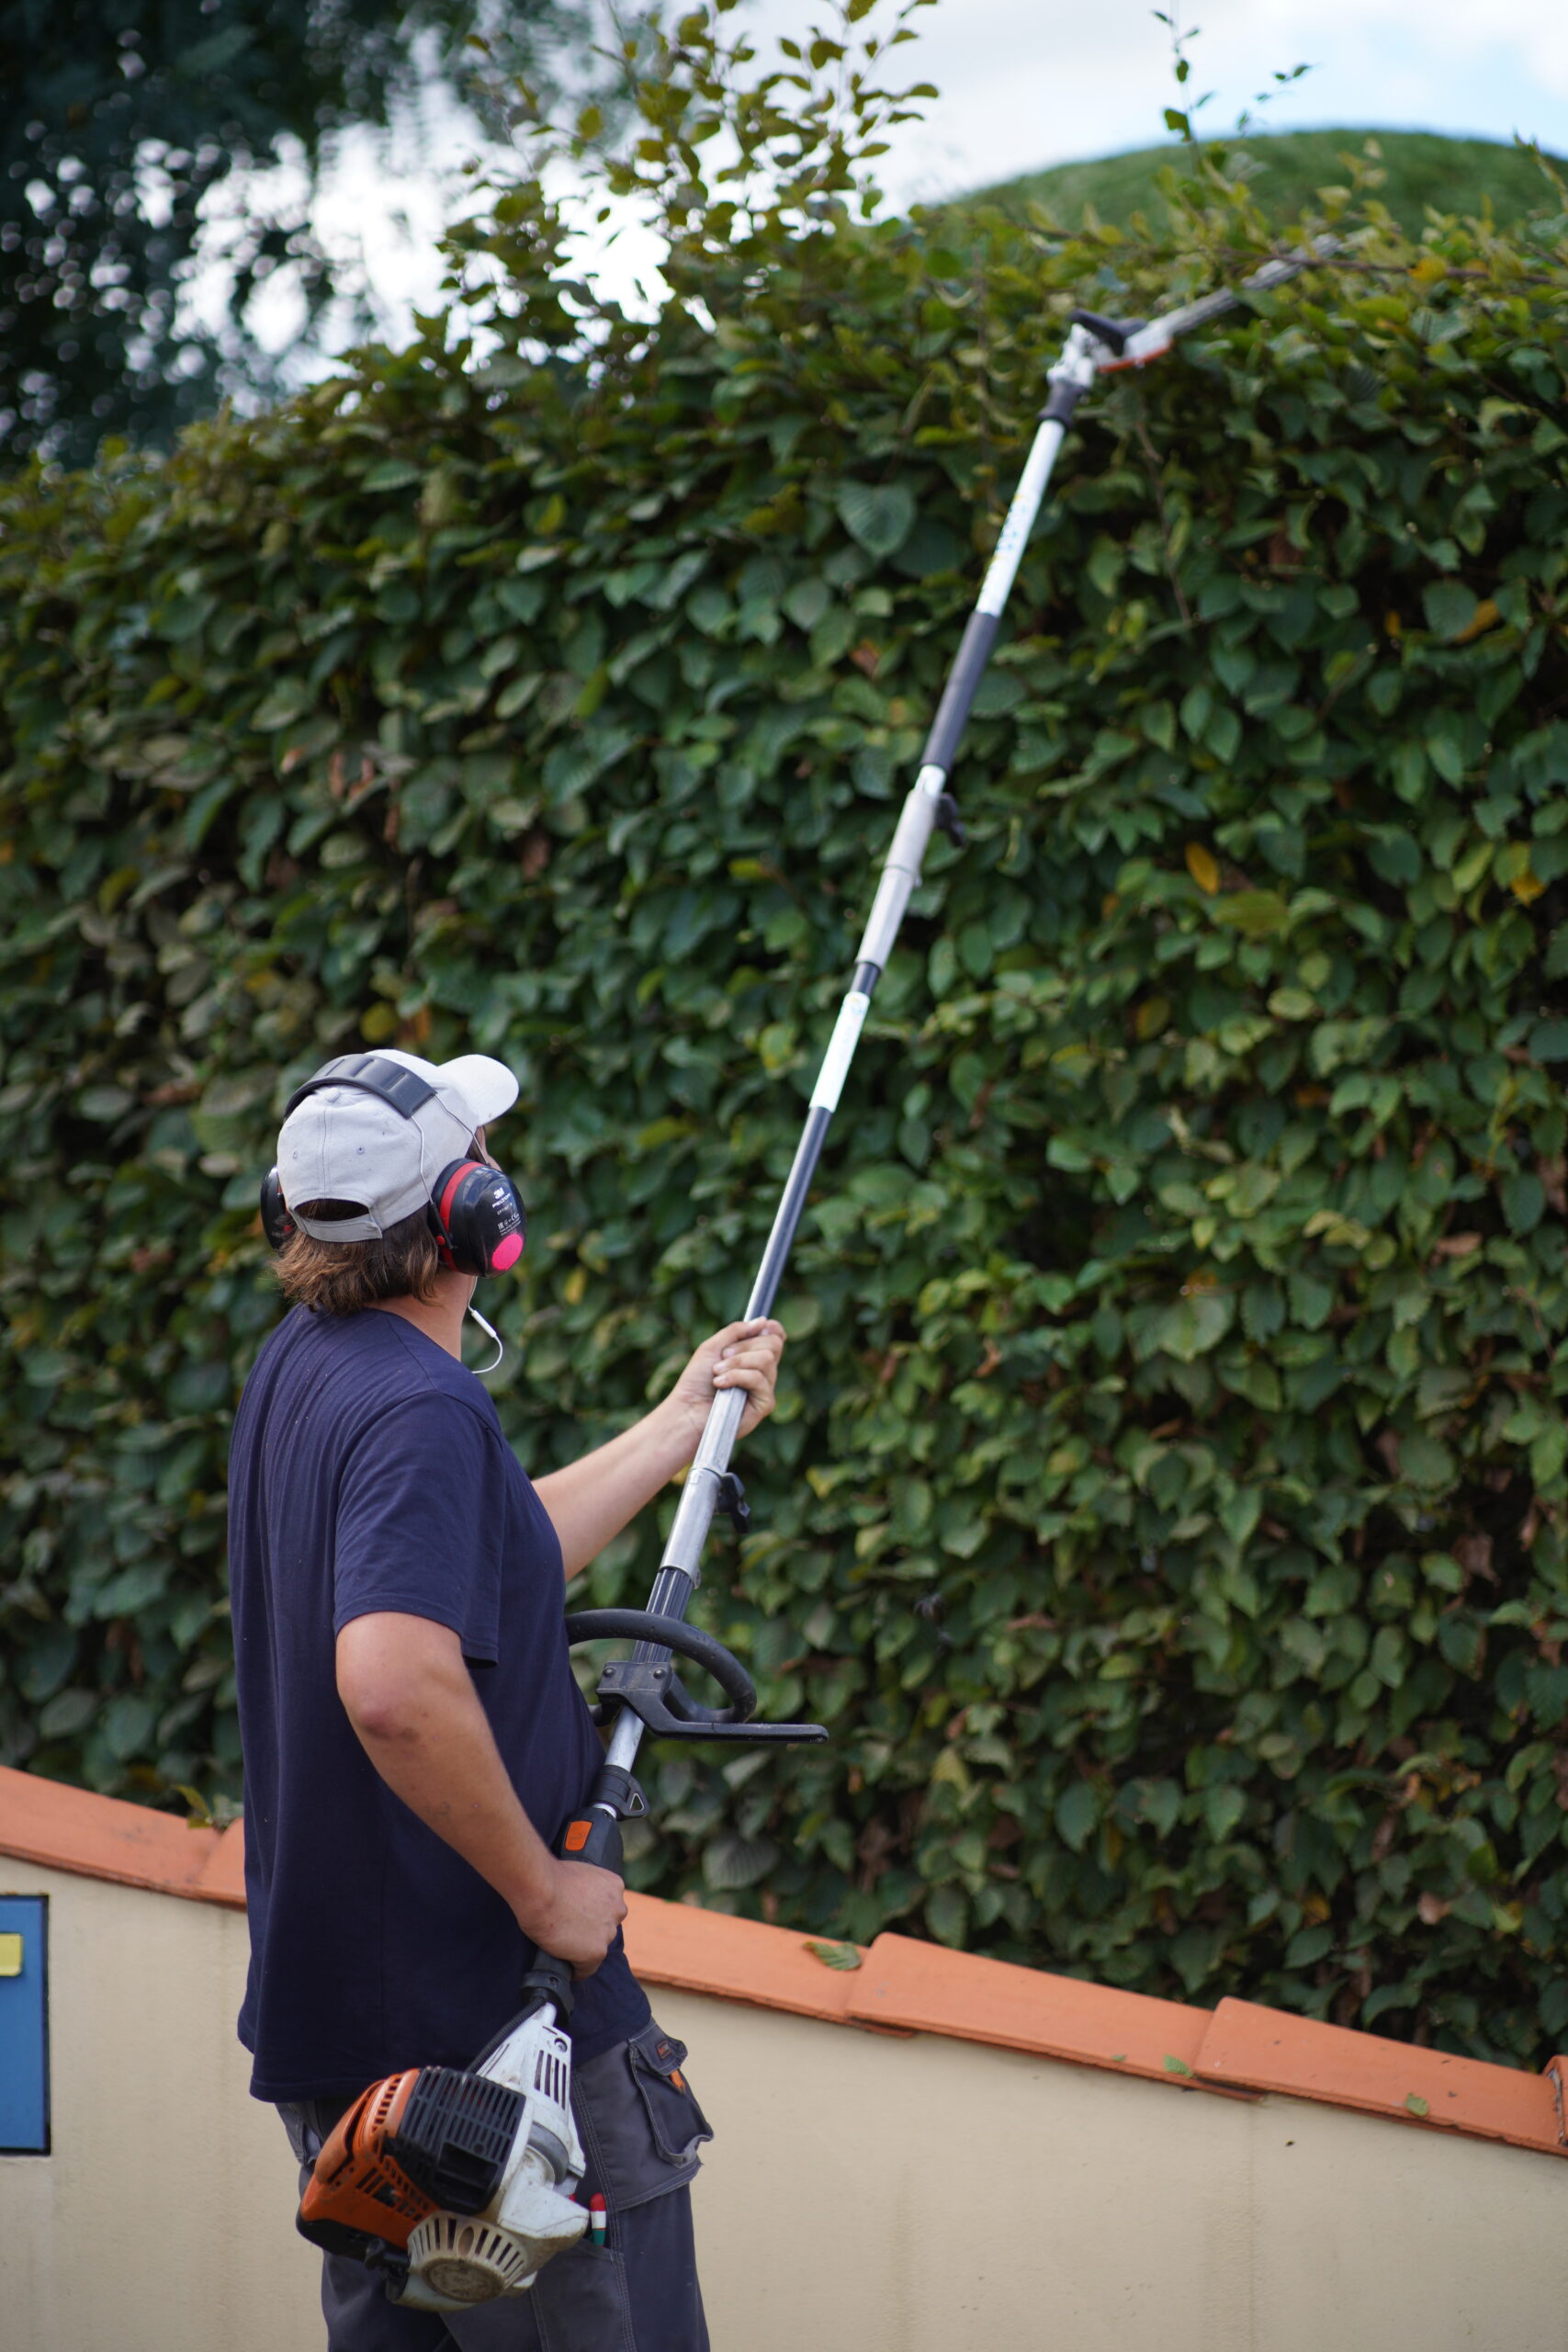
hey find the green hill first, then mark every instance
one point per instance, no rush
(1423, 168)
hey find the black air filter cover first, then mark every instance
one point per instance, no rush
(455, 2135)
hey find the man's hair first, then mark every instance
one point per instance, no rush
(343, 1277)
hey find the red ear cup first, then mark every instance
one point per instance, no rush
(477, 1219)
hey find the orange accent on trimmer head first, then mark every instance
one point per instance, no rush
(356, 2185)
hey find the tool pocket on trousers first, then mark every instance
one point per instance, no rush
(675, 2121)
(582, 2302)
(641, 2127)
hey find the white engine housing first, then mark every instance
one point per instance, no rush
(459, 2259)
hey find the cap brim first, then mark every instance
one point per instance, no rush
(487, 1087)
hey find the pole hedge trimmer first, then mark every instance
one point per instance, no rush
(457, 2183)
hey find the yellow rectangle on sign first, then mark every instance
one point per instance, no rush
(10, 1955)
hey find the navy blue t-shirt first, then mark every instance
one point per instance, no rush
(368, 1472)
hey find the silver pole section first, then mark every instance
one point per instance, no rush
(915, 825)
(623, 1744)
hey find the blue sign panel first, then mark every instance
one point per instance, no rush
(23, 2025)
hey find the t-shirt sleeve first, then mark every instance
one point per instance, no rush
(420, 1519)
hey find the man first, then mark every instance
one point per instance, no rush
(413, 1737)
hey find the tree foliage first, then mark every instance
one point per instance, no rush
(1285, 169)
(122, 119)
(1167, 1508)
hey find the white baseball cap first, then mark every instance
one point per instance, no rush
(361, 1131)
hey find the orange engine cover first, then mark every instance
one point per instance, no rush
(356, 2185)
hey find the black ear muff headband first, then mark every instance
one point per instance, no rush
(475, 1211)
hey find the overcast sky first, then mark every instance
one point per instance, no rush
(1028, 83)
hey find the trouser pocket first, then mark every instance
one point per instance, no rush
(583, 2303)
(640, 2122)
(676, 2123)
(637, 2294)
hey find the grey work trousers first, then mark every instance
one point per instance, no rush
(640, 2127)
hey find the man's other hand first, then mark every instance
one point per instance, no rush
(743, 1356)
(578, 1915)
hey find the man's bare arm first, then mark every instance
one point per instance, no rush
(591, 1500)
(408, 1693)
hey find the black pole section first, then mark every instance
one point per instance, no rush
(671, 1597)
(953, 711)
(775, 1257)
(1063, 400)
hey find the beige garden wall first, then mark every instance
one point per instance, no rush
(865, 2193)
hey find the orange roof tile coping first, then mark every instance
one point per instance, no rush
(74, 1829)
(900, 1986)
(1270, 2049)
(708, 1951)
(928, 1989)
(221, 1878)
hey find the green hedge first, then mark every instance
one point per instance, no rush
(1286, 168)
(1166, 1512)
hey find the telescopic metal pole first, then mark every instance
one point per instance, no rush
(1094, 346)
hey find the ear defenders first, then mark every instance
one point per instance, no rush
(477, 1219)
(475, 1211)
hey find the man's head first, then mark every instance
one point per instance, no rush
(382, 1180)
